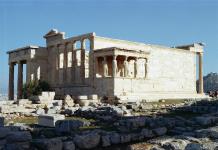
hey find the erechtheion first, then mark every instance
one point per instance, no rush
(89, 64)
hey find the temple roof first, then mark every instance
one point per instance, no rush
(23, 48)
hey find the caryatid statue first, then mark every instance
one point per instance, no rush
(105, 67)
(126, 67)
(146, 67)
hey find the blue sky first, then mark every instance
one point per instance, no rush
(163, 22)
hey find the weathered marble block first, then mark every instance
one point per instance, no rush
(82, 97)
(93, 97)
(49, 120)
(24, 102)
(57, 102)
(45, 97)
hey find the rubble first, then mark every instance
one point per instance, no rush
(104, 125)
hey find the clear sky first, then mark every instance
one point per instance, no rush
(163, 22)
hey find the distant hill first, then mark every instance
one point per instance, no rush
(210, 82)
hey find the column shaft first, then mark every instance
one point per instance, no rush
(82, 65)
(20, 81)
(201, 82)
(73, 63)
(75, 67)
(11, 82)
(96, 69)
(57, 66)
(65, 64)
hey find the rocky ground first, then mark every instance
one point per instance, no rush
(56, 125)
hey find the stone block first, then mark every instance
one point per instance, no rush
(19, 136)
(2, 119)
(87, 141)
(82, 97)
(69, 103)
(24, 102)
(40, 111)
(49, 120)
(66, 126)
(48, 144)
(86, 102)
(44, 97)
(4, 132)
(68, 145)
(57, 102)
(93, 97)
(68, 98)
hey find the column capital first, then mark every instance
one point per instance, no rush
(200, 53)
(11, 63)
(126, 57)
(67, 43)
(20, 62)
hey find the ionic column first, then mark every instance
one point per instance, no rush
(96, 69)
(91, 39)
(136, 67)
(201, 82)
(74, 62)
(105, 67)
(65, 64)
(20, 80)
(114, 66)
(126, 67)
(82, 69)
(57, 65)
(11, 82)
(27, 71)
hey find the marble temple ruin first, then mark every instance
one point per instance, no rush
(89, 64)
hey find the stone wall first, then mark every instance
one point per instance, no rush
(171, 72)
(168, 72)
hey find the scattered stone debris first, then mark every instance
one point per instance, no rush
(184, 125)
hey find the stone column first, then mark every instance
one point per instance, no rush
(11, 82)
(57, 66)
(74, 63)
(82, 65)
(136, 67)
(96, 69)
(61, 49)
(126, 67)
(105, 67)
(91, 39)
(65, 64)
(20, 80)
(114, 66)
(27, 71)
(201, 82)
(146, 68)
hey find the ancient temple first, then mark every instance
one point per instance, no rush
(89, 64)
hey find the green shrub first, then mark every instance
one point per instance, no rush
(35, 88)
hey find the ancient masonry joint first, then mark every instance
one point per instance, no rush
(88, 64)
